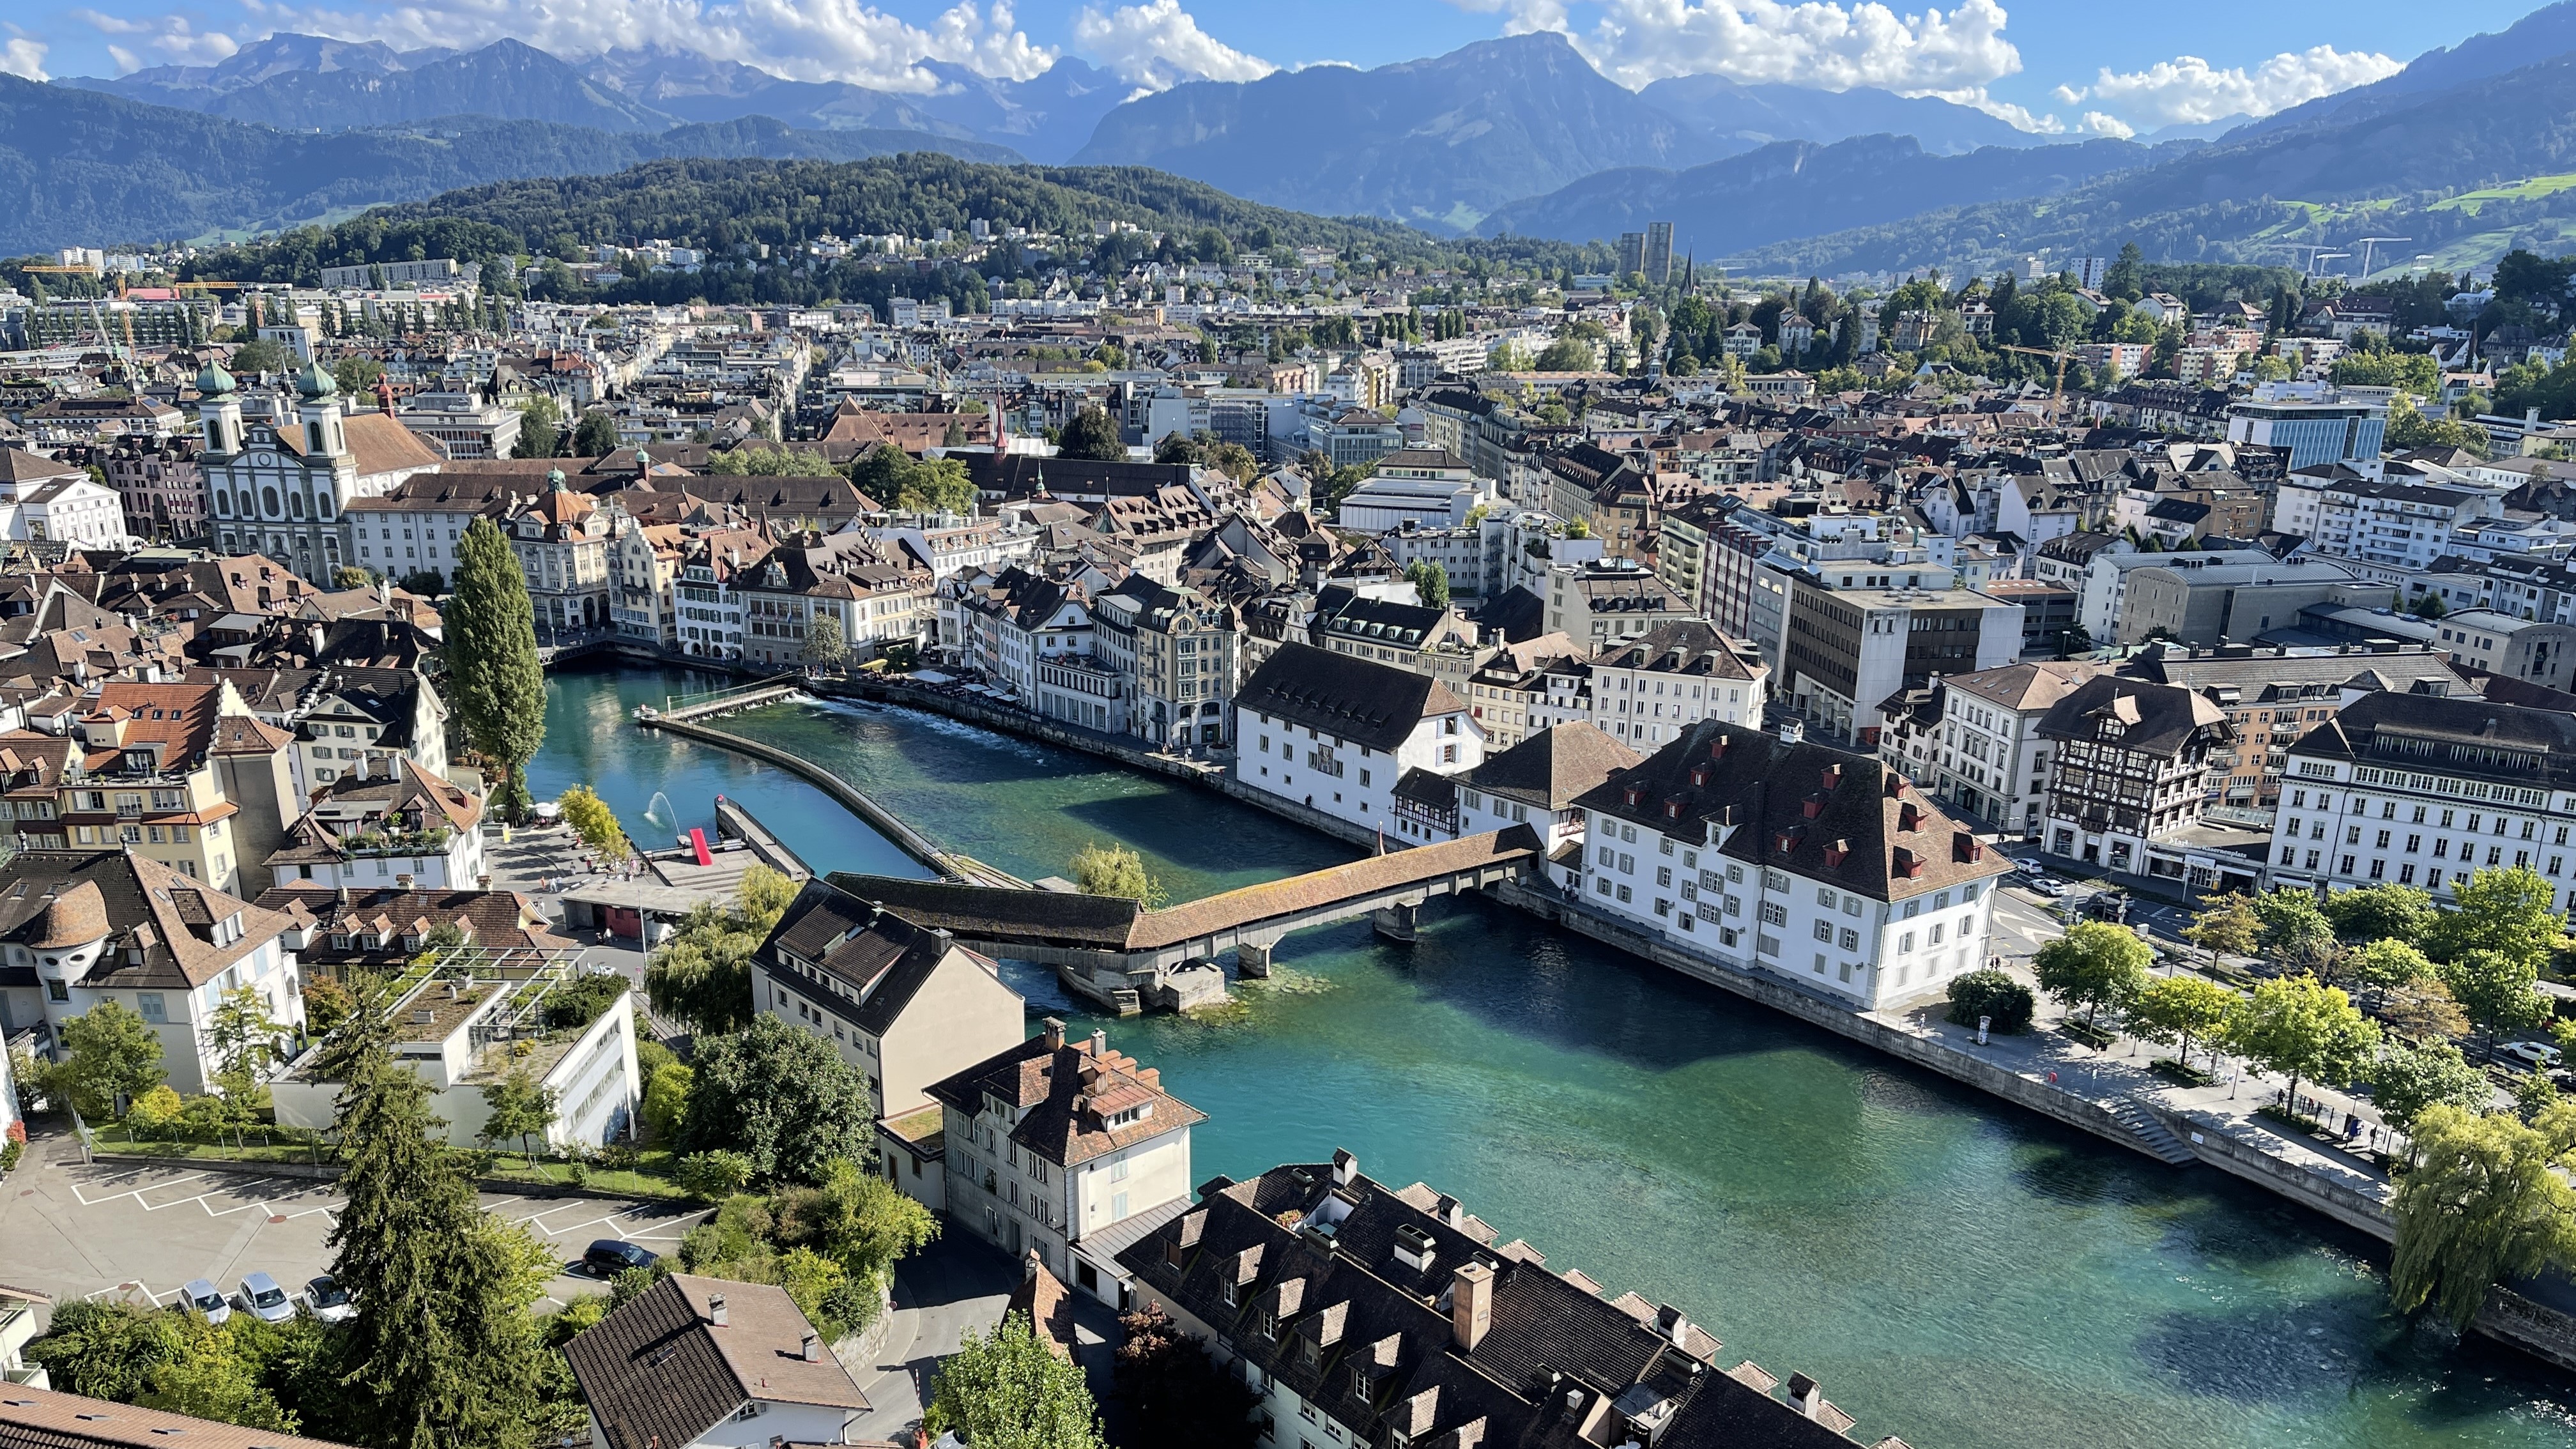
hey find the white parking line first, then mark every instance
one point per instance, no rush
(136, 1193)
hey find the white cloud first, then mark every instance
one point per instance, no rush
(2102, 123)
(1158, 45)
(1816, 43)
(23, 58)
(2019, 117)
(844, 40)
(2189, 90)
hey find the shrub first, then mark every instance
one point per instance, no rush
(1991, 993)
(582, 1000)
(714, 1175)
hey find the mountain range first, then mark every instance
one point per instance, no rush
(83, 167)
(1439, 143)
(2468, 151)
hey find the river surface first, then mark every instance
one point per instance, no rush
(1953, 1270)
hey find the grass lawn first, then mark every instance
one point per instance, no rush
(651, 1177)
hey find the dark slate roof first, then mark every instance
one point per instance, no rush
(1072, 920)
(1553, 767)
(883, 958)
(1310, 1252)
(1805, 808)
(658, 1372)
(1516, 614)
(1370, 704)
(2463, 735)
(2155, 719)
(1687, 647)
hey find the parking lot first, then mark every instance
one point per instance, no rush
(74, 1231)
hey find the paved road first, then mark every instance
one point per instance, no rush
(75, 1231)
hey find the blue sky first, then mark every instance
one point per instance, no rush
(2062, 65)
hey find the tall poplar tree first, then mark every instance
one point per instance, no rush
(499, 688)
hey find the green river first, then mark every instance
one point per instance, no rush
(1954, 1271)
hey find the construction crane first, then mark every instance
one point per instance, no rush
(2370, 242)
(2062, 359)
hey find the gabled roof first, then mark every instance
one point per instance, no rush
(143, 908)
(1373, 705)
(883, 958)
(1805, 808)
(658, 1373)
(2154, 719)
(33, 1418)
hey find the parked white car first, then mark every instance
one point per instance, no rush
(2531, 1053)
(2047, 885)
(330, 1302)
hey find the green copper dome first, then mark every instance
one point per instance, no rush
(213, 381)
(315, 382)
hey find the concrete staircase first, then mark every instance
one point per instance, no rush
(2153, 1136)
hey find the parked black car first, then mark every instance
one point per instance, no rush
(609, 1257)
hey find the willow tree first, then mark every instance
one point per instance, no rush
(2481, 1204)
(498, 686)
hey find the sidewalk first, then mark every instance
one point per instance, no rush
(952, 1288)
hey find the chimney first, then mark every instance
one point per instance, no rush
(1099, 1044)
(1345, 1167)
(1471, 1304)
(403, 881)
(716, 1309)
(1806, 1395)
(813, 1348)
(1054, 1033)
(1791, 732)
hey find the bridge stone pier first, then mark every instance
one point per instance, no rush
(1128, 959)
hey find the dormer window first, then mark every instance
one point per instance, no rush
(1233, 1293)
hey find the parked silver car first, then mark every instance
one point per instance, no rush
(202, 1296)
(261, 1295)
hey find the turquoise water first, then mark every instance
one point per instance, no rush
(1953, 1271)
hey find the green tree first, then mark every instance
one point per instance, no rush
(825, 644)
(243, 1039)
(212, 1379)
(442, 1346)
(2495, 989)
(111, 1056)
(1430, 582)
(260, 355)
(491, 642)
(1116, 870)
(1995, 995)
(2228, 926)
(1567, 354)
(2505, 910)
(2181, 1009)
(1174, 1392)
(1092, 434)
(2295, 930)
(356, 374)
(1004, 1390)
(2304, 1030)
(716, 1174)
(2384, 966)
(517, 1106)
(350, 576)
(103, 1349)
(2384, 912)
(596, 436)
(666, 1100)
(897, 480)
(2424, 1011)
(755, 461)
(702, 974)
(540, 429)
(2405, 1080)
(596, 824)
(2094, 965)
(783, 1098)
(2480, 1204)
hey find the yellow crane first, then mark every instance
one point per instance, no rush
(2062, 359)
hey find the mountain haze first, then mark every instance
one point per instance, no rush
(1795, 188)
(1728, 111)
(80, 167)
(1437, 143)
